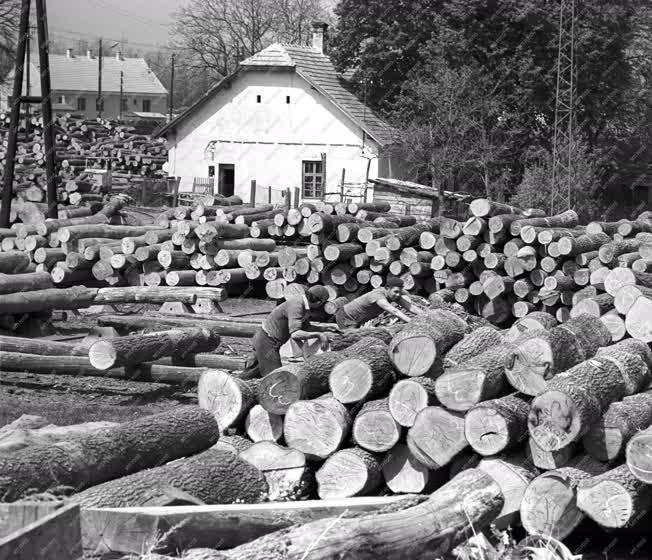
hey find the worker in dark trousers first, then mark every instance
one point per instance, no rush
(368, 306)
(289, 320)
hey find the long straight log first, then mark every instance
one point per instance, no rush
(27, 282)
(112, 453)
(135, 349)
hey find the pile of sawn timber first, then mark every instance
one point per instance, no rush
(501, 263)
(544, 422)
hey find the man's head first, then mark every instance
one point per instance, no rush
(394, 288)
(317, 296)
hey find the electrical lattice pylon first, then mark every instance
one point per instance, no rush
(561, 197)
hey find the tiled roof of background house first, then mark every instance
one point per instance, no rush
(79, 73)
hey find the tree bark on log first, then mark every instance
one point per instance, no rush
(42, 347)
(45, 300)
(137, 348)
(28, 282)
(539, 355)
(493, 426)
(575, 400)
(433, 527)
(116, 452)
(614, 499)
(638, 320)
(222, 326)
(214, 477)
(414, 350)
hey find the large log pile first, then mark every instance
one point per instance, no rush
(498, 265)
(80, 144)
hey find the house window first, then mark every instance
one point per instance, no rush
(287, 99)
(61, 99)
(147, 106)
(81, 103)
(258, 98)
(135, 102)
(312, 179)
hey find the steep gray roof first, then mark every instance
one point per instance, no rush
(79, 73)
(318, 70)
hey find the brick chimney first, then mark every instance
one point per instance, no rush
(318, 35)
(69, 53)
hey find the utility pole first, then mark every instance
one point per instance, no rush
(29, 85)
(562, 152)
(171, 89)
(99, 82)
(121, 84)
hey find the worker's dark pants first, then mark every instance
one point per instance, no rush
(265, 355)
(344, 321)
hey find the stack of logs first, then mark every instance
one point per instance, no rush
(80, 144)
(543, 422)
(550, 413)
(502, 263)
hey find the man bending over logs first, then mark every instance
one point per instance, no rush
(289, 320)
(368, 306)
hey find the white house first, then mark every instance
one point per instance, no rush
(128, 85)
(283, 119)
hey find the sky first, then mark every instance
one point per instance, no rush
(142, 23)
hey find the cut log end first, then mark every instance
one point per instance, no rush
(351, 380)
(414, 356)
(486, 430)
(553, 421)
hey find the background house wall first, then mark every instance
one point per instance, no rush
(268, 140)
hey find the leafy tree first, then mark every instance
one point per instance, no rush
(535, 188)
(9, 14)
(452, 127)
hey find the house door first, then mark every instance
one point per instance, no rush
(226, 179)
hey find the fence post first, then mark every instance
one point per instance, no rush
(288, 196)
(252, 193)
(342, 185)
(296, 197)
(269, 194)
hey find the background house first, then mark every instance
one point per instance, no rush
(74, 82)
(284, 119)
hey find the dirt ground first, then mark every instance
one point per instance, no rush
(65, 400)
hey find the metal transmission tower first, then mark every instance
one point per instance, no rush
(562, 165)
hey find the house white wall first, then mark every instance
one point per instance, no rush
(134, 102)
(268, 141)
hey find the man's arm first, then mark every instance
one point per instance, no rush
(386, 306)
(405, 302)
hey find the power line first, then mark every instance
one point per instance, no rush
(63, 32)
(106, 5)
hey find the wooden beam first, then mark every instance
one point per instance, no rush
(132, 530)
(55, 536)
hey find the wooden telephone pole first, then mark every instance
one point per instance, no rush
(46, 109)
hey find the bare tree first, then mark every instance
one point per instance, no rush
(220, 33)
(9, 15)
